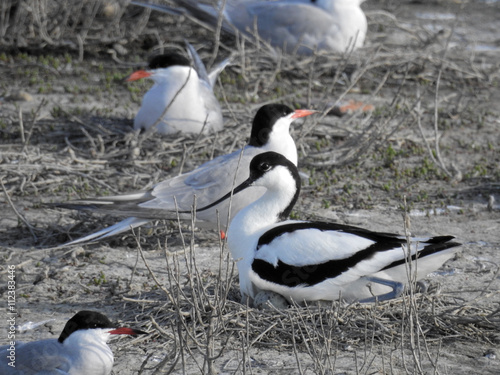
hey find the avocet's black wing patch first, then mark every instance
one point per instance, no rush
(308, 275)
(279, 230)
(291, 276)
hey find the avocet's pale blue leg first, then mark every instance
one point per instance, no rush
(397, 289)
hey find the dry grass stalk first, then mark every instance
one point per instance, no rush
(202, 321)
(195, 315)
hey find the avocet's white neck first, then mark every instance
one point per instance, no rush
(249, 223)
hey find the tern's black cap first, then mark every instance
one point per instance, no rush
(85, 320)
(264, 120)
(167, 60)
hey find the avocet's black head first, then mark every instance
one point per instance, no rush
(267, 161)
(85, 320)
(167, 60)
(264, 163)
(259, 166)
(264, 120)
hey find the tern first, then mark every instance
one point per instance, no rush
(270, 131)
(182, 97)
(315, 260)
(293, 26)
(81, 349)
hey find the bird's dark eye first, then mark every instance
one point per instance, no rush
(265, 167)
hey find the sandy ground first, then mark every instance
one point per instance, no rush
(179, 285)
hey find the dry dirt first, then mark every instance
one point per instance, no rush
(430, 70)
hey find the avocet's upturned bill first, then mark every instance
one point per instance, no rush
(182, 97)
(270, 131)
(293, 26)
(312, 260)
(80, 350)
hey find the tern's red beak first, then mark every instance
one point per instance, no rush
(302, 113)
(140, 74)
(126, 331)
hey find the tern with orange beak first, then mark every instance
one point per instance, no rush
(182, 98)
(270, 132)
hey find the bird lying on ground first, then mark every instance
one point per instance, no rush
(292, 26)
(314, 260)
(182, 97)
(81, 349)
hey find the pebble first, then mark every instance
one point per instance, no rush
(110, 9)
(491, 354)
(19, 96)
(120, 50)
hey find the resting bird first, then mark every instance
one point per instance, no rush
(182, 97)
(314, 260)
(80, 350)
(292, 26)
(270, 131)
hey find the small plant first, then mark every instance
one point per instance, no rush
(100, 280)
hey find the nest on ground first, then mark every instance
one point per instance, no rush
(197, 314)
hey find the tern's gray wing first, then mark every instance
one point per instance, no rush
(198, 64)
(209, 182)
(161, 8)
(214, 73)
(207, 82)
(205, 13)
(210, 102)
(291, 27)
(37, 358)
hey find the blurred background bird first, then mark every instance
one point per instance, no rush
(182, 97)
(292, 26)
